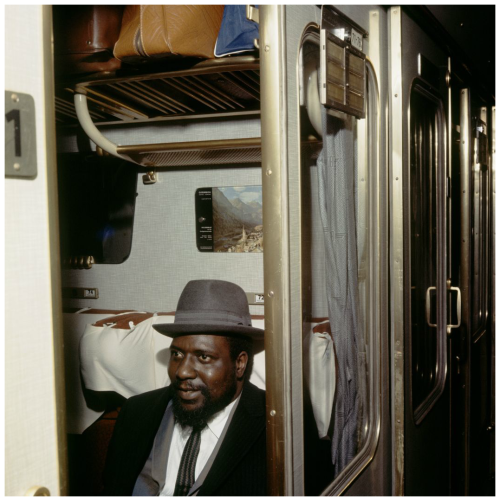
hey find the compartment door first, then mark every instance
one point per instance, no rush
(426, 399)
(476, 261)
(34, 405)
(419, 261)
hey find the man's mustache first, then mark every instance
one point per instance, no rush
(186, 386)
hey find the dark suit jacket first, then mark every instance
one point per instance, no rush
(238, 470)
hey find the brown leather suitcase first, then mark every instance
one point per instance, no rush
(84, 37)
(158, 31)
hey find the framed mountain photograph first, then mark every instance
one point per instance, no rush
(229, 219)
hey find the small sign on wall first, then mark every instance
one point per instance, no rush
(20, 135)
(255, 298)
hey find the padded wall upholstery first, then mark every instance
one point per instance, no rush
(162, 132)
(164, 255)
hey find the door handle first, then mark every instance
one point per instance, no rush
(459, 309)
(428, 306)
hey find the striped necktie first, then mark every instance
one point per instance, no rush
(185, 476)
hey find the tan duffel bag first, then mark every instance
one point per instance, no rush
(157, 31)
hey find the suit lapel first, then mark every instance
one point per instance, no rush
(245, 428)
(145, 430)
(161, 444)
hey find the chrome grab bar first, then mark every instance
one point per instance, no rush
(82, 112)
(428, 306)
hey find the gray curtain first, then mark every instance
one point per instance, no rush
(338, 205)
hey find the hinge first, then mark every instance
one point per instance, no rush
(253, 13)
(79, 262)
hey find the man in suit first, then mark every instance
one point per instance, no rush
(205, 433)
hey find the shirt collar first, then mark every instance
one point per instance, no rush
(217, 422)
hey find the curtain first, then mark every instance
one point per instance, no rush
(337, 175)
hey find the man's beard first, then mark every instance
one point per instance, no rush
(197, 418)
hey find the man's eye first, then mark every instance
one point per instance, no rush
(175, 354)
(204, 358)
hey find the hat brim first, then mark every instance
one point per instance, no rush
(175, 330)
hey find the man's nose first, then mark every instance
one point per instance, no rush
(185, 370)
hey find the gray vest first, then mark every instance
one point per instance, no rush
(151, 480)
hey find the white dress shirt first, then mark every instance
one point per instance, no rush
(209, 437)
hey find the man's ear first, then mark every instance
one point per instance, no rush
(241, 364)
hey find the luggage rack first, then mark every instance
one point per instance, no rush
(217, 87)
(227, 87)
(213, 88)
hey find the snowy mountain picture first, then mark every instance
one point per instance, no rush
(237, 219)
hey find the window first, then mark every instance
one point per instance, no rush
(96, 207)
(426, 163)
(479, 231)
(341, 292)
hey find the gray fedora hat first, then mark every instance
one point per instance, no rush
(211, 307)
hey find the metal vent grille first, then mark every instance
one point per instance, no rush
(219, 152)
(193, 158)
(228, 87)
(202, 153)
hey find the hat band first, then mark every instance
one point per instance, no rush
(210, 317)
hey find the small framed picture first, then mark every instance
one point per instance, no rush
(229, 219)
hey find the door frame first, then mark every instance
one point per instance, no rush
(35, 458)
(396, 249)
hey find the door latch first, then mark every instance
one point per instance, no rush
(150, 177)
